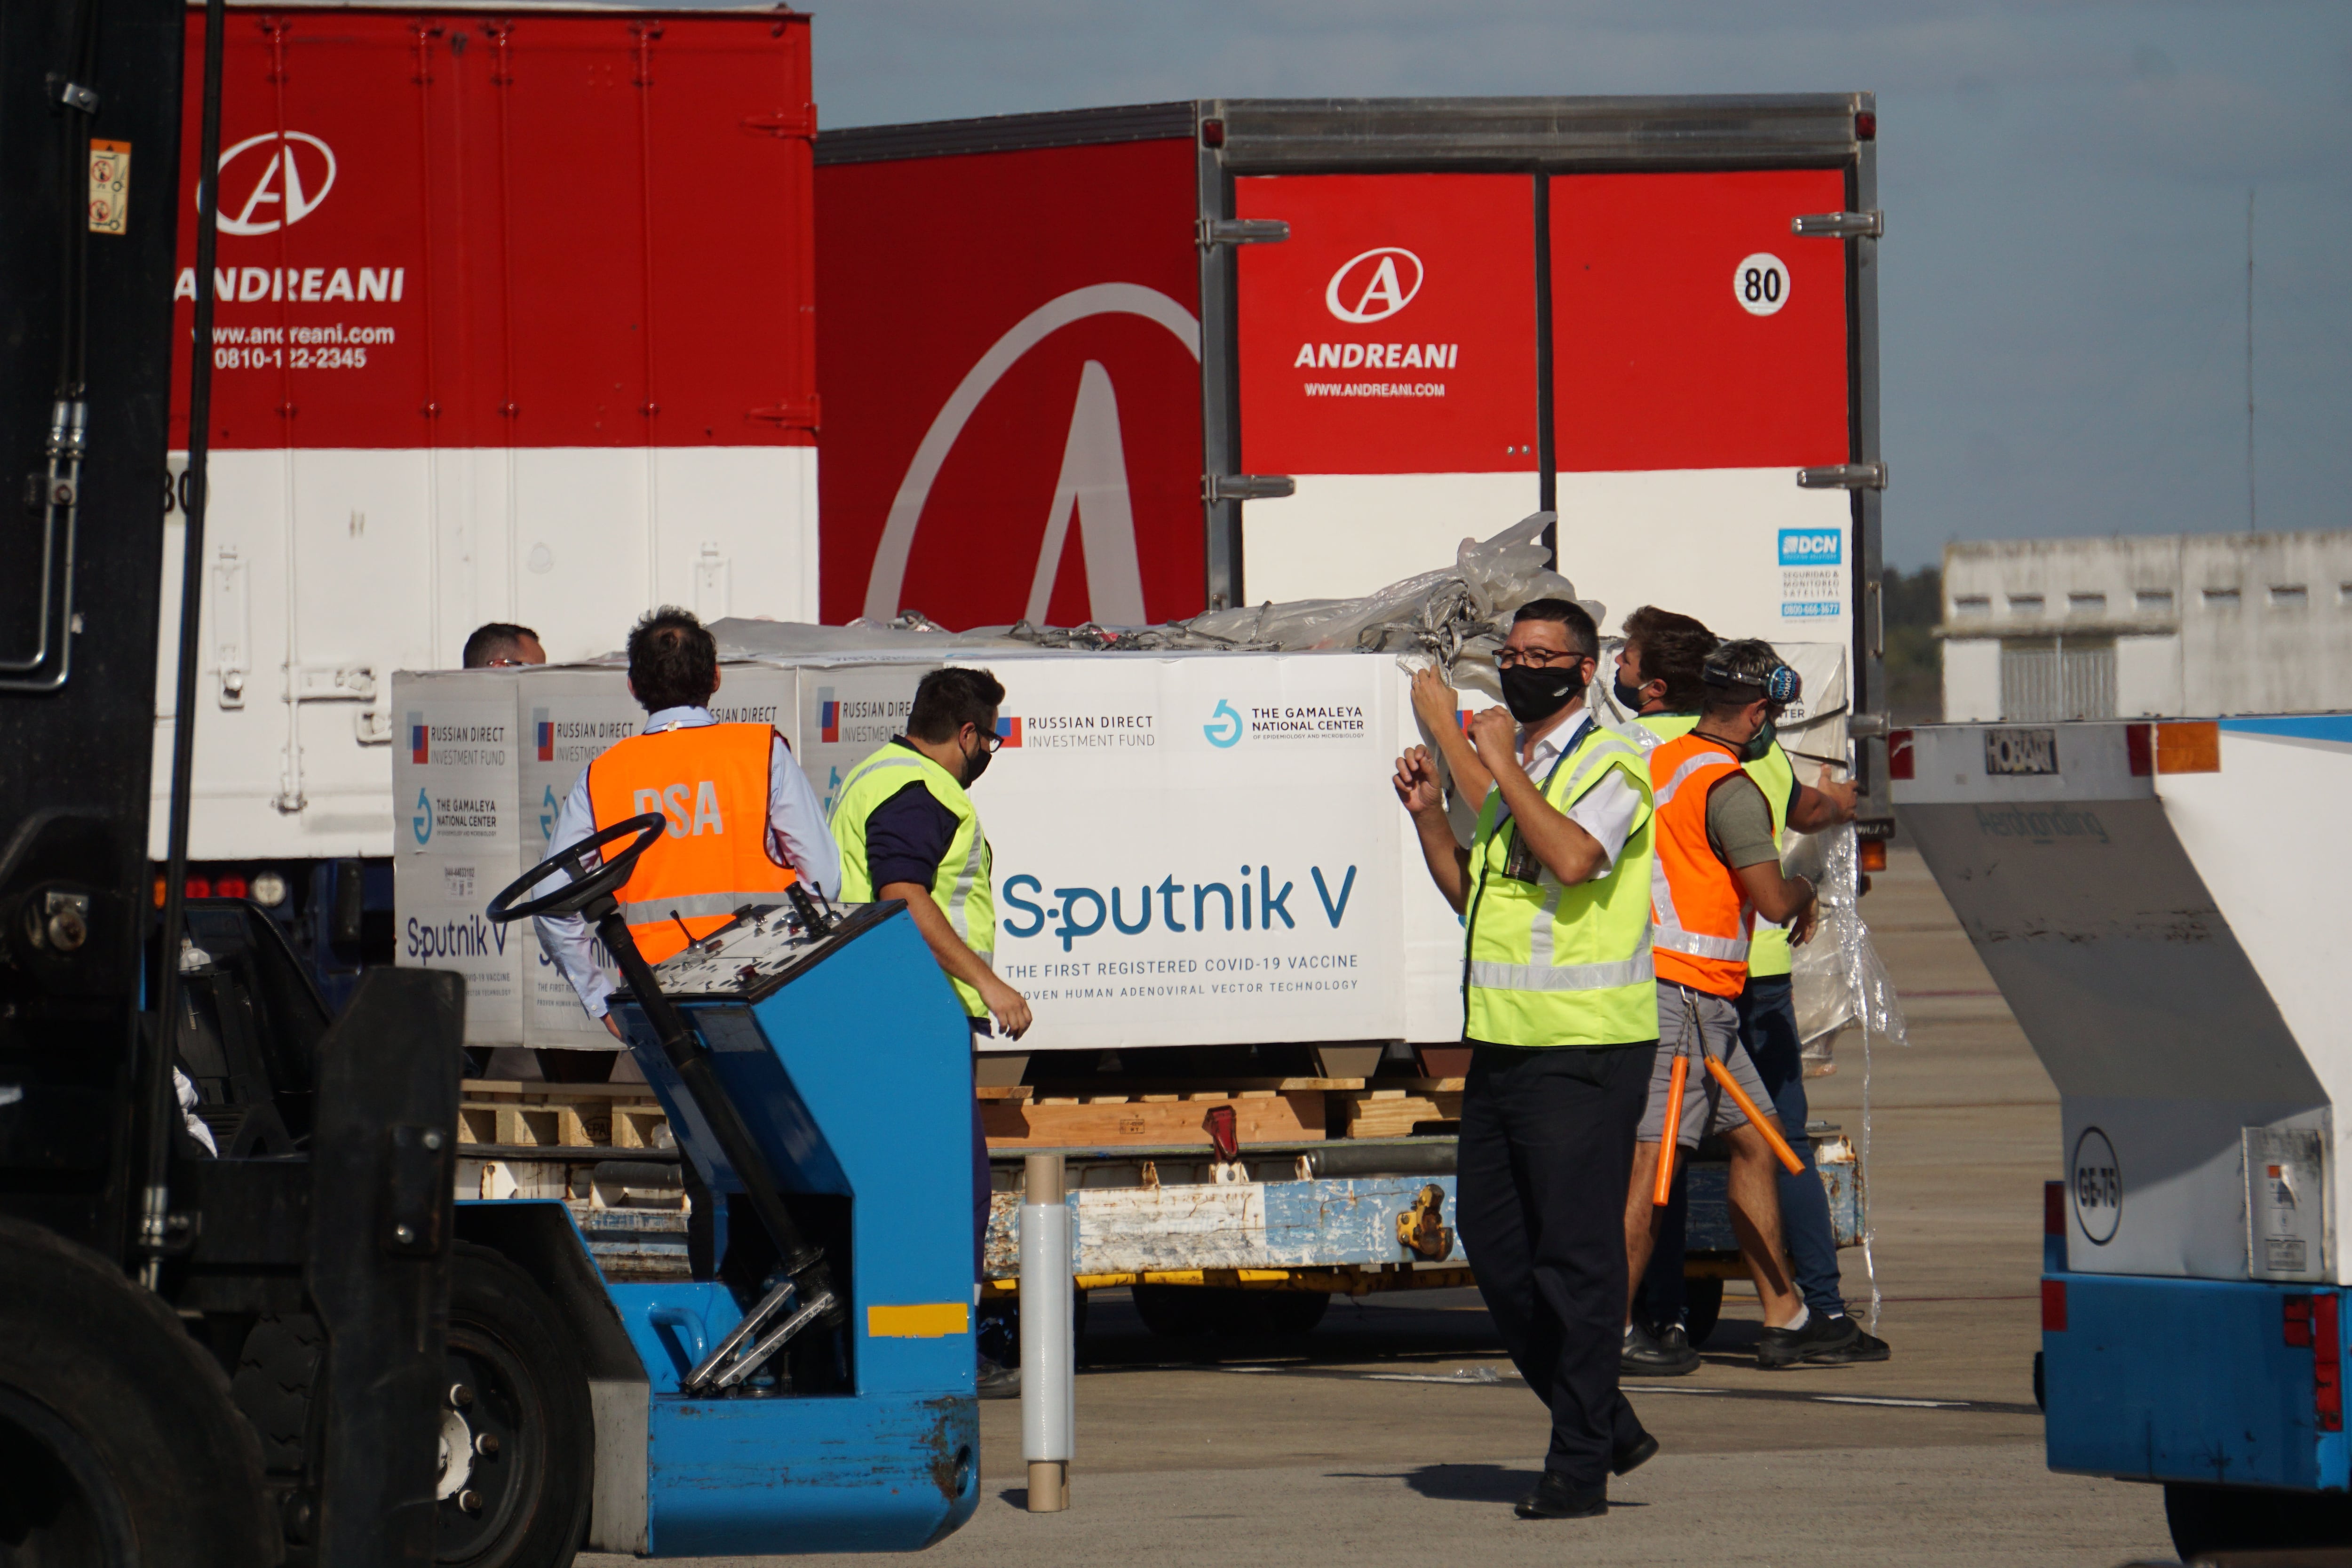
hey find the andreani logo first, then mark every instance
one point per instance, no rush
(1374, 286)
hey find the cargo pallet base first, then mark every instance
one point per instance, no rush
(1167, 1192)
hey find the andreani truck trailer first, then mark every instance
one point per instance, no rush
(2166, 935)
(1125, 365)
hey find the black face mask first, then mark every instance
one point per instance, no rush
(1629, 698)
(1535, 695)
(974, 765)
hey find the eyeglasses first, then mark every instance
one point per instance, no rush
(989, 739)
(1537, 657)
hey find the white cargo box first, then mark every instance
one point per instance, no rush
(454, 782)
(1191, 847)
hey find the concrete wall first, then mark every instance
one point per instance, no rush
(2201, 624)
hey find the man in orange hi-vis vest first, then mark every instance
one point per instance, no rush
(743, 821)
(1717, 868)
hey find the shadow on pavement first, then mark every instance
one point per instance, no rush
(1460, 1483)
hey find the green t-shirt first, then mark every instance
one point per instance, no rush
(1739, 822)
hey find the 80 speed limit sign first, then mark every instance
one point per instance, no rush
(1760, 283)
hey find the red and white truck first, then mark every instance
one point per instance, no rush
(514, 324)
(1126, 364)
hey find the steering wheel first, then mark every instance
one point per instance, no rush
(589, 882)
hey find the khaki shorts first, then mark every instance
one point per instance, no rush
(1706, 1107)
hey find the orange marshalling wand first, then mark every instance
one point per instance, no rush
(1756, 1118)
(1666, 1145)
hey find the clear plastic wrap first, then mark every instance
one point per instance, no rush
(1838, 979)
(1457, 616)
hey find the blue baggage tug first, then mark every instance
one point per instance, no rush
(815, 1070)
(2170, 944)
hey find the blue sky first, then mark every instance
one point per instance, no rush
(2062, 306)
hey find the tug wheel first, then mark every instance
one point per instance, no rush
(516, 1461)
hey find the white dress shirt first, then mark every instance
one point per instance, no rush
(1606, 808)
(797, 837)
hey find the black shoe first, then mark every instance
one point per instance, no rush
(1866, 1346)
(1555, 1499)
(1822, 1341)
(1633, 1455)
(999, 1381)
(1666, 1354)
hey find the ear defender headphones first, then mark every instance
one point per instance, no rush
(1779, 685)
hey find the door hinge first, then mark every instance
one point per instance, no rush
(1871, 225)
(1212, 231)
(1215, 487)
(790, 123)
(1843, 477)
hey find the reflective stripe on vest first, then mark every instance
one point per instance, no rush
(1703, 919)
(1549, 964)
(711, 782)
(963, 884)
(1776, 776)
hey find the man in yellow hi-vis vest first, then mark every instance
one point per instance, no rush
(907, 829)
(1658, 679)
(1561, 1015)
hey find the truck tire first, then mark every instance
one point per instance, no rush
(1189, 1312)
(2209, 1519)
(517, 1437)
(1269, 1314)
(1705, 1300)
(119, 1441)
(1174, 1312)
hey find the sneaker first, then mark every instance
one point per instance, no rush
(1633, 1455)
(1822, 1341)
(1666, 1354)
(999, 1381)
(1556, 1499)
(1866, 1346)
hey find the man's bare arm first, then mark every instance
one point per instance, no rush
(1778, 898)
(1449, 863)
(955, 956)
(1823, 805)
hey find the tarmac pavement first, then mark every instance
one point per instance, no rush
(1398, 1433)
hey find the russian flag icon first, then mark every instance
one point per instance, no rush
(1008, 729)
(419, 751)
(545, 732)
(828, 716)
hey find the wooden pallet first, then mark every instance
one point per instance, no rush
(1052, 1120)
(1394, 1112)
(561, 1115)
(513, 1115)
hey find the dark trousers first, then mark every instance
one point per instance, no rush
(980, 1181)
(1546, 1152)
(1768, 1027)
(979, 1196)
